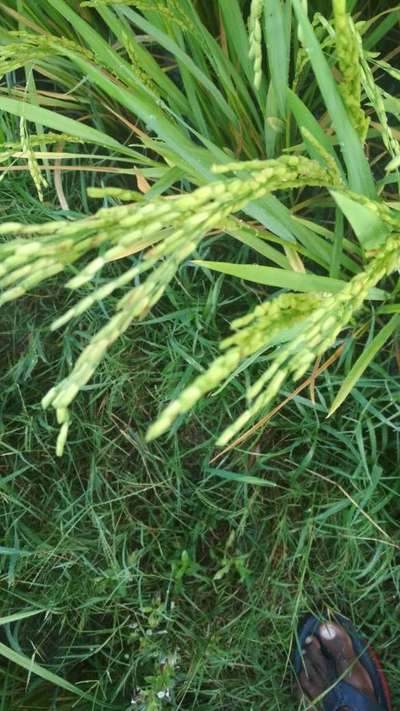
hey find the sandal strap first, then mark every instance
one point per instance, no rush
(346, 695)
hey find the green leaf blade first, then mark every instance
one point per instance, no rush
(57, 122)
(273, 276)
(370, 230)
(363, 362)
(240, 478)
(358, 170)
(277, 32)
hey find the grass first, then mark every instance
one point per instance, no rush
(160, 575)
(135, 554)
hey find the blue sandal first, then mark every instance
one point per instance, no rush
(343, 693)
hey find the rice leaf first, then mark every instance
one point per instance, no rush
(304, 118)
(63, 124)
(169, 44)
(358, 170)
(277, 32)
(283, 278)
(382, 28)
(237, 36)
(273, 276)
(367, 225)
(363, 362)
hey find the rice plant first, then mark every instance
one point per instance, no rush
(232, 130)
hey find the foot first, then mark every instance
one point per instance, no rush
(332, 645)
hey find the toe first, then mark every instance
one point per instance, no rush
(313, 677)
(308, 686)
(338, 645)
(314, 655)
(336, 642)
(312, 643)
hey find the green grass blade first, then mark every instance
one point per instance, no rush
(208, 51)
(98, 45)
(19, 616)
(64, 124)
(247, 235)
(363, 362)
(382, 29)
(169, 178)
(348, 246)
(241, 478)
(151, 114)
(237, 36)
(121, 28)
(272, 276)
(371, 231)
(277, 32)
(389, 309)
(230, 77)
(304, 118)
(359, 174)
(337, 252)
(180, 55)
(194, 99)
(275, 216)
(34, 668)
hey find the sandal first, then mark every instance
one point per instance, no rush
(344, 694)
